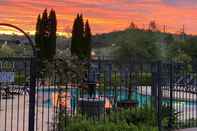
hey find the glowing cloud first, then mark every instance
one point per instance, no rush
(104, 15)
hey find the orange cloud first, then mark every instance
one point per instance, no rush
(104, 15)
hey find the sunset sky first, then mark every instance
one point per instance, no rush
(104, 15)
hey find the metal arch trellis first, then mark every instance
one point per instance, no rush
(31, 113)
(26, 35)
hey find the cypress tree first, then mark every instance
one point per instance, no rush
(87, 38)
(52, 34)
(74, 40)
(81, 45)
(37, 34)
(81, 38)
(45, 36)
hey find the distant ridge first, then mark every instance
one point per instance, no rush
(116, 37)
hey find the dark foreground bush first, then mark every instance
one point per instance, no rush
(87, 125)
(136, 119)
(136, 116)
(139, 119)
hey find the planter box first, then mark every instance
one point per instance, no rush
(127, 104)
(91, 107)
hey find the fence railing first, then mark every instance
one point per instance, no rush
(163, 93)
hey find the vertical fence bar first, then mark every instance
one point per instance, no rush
(153, 88)
(170, 126)
(159, 93)
(32, 95)
(156, 92)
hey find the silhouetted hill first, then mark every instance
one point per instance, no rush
(117, 37)
(105, 44)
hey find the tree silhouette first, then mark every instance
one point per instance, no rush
(37, 34)
(52, 34)
(81, 38)
(153, 26)
(88, 38)
(45, 36)
(132, 26)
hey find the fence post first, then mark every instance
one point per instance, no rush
(157, 92)
(32, 94)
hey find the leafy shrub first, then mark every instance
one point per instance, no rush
(84, 125)
(165, 115)
(139, 119)
(19, 78)
(145, 79)
(136, 119)
(147, 128)
(105, 127)
(136, 116)
(88, 125)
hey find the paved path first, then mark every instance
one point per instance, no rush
(191, 129)
(17, 114)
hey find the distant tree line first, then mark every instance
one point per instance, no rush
(183, 51)
(153, 45)
(141, 46)
(154, 27)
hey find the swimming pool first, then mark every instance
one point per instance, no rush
(45, 97)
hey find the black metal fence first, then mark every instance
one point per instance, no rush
(28, 102)
(14, 93)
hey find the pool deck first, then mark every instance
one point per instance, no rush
(17, 115)
(177, 94)
(190, 129)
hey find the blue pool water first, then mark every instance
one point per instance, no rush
(46, 95)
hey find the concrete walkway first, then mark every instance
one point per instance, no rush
(191, 129)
